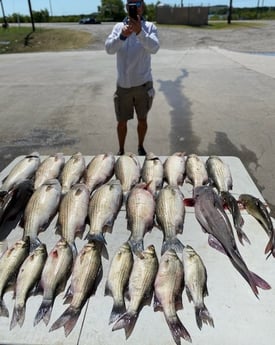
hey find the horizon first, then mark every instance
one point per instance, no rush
(85, 7)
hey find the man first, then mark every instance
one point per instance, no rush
(133, 40)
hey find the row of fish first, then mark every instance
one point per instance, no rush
(148, 204)
(142, 276)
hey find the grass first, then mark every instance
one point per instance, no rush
(23, 40)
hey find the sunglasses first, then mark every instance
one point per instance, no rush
(138, 3)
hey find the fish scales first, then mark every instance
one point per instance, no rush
(72, 171)
(170, 215)
(141, 283)
(168, 287)
(86, 275)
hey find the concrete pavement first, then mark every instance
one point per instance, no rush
(208, 101)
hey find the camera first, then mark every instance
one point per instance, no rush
(132, 8)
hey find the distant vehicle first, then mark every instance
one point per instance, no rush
(89, 21)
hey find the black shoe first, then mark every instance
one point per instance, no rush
(141, 151)
(120, 152)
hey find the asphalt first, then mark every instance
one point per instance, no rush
(209, 100)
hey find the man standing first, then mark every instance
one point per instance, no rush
(133, 40)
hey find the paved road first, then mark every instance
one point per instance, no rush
(213, 97)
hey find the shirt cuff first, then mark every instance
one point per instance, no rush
(122, 38)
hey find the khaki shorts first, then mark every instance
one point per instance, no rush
(138, 99)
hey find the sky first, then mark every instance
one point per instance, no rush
(66, 7)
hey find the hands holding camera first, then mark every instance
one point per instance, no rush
(132, 26)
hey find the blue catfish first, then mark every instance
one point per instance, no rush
(213, 219)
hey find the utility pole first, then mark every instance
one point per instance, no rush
(229, 12)
(5, 24)
(30, 7)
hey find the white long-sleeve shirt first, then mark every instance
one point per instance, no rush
(133, 54)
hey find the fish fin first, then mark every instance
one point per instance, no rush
(270, 247)
(172, 243)
(68, 295)
(74, 249)
(137, 246)
(3, 309)
(177, 329)
(126, 321)
(34, 243)
(96, 237)
(117, 310)
(68, 320)
(260, 282)
(44, 312)
(157, 304)
(58, 230)
(203, 316)
(189, 295)
(214, 243)
(242, 235)
(18, 316)
(178, 302)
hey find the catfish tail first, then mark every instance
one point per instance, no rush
(67, 320)
(44, 312)
(270, 247)
(177, 329)
(203, 316)
(126, 321)
(18, 316)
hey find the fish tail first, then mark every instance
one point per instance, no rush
(203, 316)
(177, 329)
(137, 246)
(34, 243)
(242, 235)
(18, 316)
(270, 247)
(126, 321)
(67, 320)
(74, 249)
(44, 312)
(172, 243)
(96, 237)
(117, 310)
(260, 282)
(3, 309)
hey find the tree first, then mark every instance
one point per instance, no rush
(113, 9)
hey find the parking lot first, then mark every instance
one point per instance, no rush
(214, 95)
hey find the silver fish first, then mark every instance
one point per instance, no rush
(41, 209)
(99, 170)
(210, 214)
(104, 206)
(55, 274)
(170, 215)
(141, 283)
(73, 211)
(168, 287)
(195, 278)
(127, 171)
(24, 169)
(140, 210)
(256, 208)
(195, 170)
(231, 203)
(72, 172)
(28, 276)
(86, 275)
(50, 168)
(118, 276)
(10, 264)
(174, 169)
(152, 172)
(219, 173)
